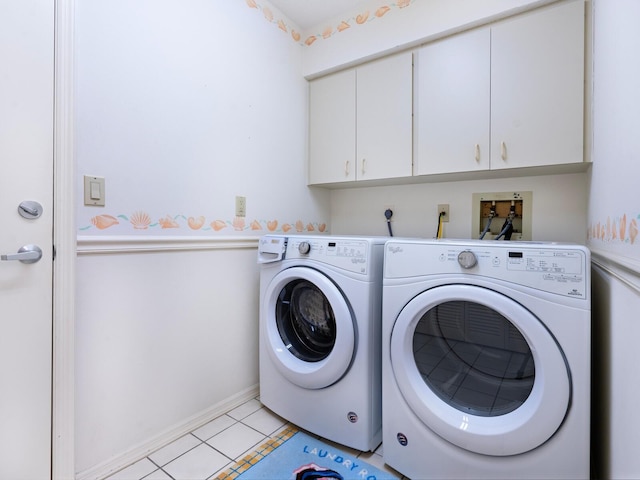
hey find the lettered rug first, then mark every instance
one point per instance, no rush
(294, 455)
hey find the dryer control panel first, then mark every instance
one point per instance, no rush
(554, 268)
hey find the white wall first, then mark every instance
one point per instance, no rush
(558, 211)
(614, 212)
(378, 28)
(181, 106)
(165, 341)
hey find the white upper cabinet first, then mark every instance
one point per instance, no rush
(332, 128)
(360, 124)
(537, 88)
(506, 96)
(452, 104)
(385, 107)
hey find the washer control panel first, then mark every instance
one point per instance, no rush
(348, 254)
(554, 268)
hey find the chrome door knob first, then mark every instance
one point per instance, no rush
(26, 254)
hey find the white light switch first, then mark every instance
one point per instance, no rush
(94, 191)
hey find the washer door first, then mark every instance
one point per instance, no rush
(308, 328)
(480, 370)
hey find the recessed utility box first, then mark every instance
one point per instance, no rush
(493, 210)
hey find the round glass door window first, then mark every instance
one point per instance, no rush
(480, 369)
(305, 320)
(307, 327)
(473, 358)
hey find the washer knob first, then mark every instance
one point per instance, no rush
(304, 248)
(467, 259)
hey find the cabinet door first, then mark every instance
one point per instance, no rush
(537, 88)
(384, 106)
(332, 128)
(452, 103)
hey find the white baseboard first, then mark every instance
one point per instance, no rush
(144, 449)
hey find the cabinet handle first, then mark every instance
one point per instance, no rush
(477, 152)
(346, 168)
(503, 150)
(363, 161)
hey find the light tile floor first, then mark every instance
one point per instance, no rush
(212, 448)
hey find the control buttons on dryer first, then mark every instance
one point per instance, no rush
(304, 248)
(467, 259)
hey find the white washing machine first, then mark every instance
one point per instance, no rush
(486, 359)
(320, 335)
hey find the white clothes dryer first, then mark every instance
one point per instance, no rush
(320, 335)
(486, 359)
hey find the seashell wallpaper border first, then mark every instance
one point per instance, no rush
(364, 17)
(139, 221)
(621, 229)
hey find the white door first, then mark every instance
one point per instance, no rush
(26, 156)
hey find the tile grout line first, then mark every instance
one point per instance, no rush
(275, 436)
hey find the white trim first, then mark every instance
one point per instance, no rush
(92, 245)
(623, 268)
(62, 444)
(142, 450)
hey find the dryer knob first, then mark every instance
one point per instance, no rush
(304, 248)
(467, 259)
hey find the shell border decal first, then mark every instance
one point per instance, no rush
(622, 229)
(139, 221)
(328, 31)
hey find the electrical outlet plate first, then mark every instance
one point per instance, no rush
(241, 206)
(444, 207)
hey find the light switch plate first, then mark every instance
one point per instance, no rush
(94, 194)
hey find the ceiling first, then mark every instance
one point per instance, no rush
(309, 13)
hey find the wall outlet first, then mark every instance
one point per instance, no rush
(444, 207)
(241, 206)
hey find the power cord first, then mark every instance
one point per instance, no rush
(388, 213)
(439, 230)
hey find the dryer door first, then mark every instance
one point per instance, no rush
(480, 370)
(309, 328)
